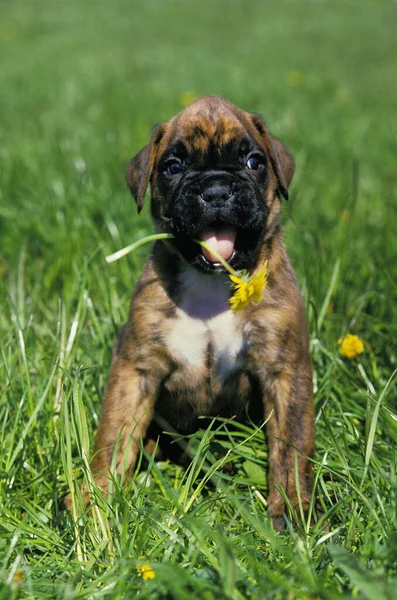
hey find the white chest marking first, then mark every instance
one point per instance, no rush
(204, 322)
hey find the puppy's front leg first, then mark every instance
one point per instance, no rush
(127, 411)
(290, 434)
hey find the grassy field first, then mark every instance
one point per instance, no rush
(81, 85)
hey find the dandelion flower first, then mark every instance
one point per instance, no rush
(187, 97)
(294, 78)
(351, 346)
(247, 290)
(145, 571)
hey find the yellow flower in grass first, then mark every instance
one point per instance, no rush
(351, 346)
(187, 97)
(7, 32)
(145, 571)
(247, 289)
(294, 78)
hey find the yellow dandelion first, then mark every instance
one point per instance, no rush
(145, 571)
(351, 346)
(7, 33)
(247, 290)
(345, 216)
(294, 78)
(18, 578)
(187, 97)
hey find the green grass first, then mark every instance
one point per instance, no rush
(81, 85)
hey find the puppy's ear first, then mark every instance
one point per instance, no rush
(283, 164)
(140, 169)
(282, 161)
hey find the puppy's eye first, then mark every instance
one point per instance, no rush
(173, 167)
(255, 163)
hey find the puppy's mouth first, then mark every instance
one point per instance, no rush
(236, 246)
(221, 240)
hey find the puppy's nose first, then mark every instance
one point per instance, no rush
(217, 191)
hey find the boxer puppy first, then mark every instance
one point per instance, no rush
(215, 174)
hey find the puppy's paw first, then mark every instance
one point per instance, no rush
(278, 522)
(68, 502)
(101, 483)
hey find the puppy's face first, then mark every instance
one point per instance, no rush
(214, 172)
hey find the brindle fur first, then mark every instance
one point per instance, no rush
(274, 366)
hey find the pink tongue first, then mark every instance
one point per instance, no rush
(220, 240)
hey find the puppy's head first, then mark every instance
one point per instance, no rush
(215, 173)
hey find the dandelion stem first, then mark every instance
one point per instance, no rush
(167, 236)
(135, 245)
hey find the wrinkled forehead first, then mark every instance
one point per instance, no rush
(204, 125)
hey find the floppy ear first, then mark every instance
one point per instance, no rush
(282, 161)
(283, 164)
(140, 169)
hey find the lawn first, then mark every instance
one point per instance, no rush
(81, 86)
